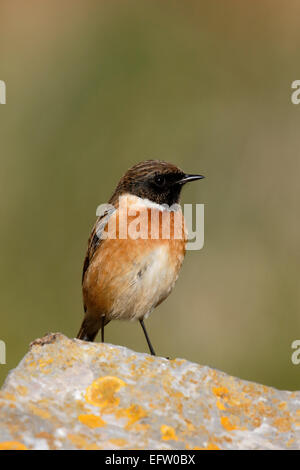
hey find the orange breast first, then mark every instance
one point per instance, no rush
(129, 276)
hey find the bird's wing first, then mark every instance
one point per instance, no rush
(96, 237)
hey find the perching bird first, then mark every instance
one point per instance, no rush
(129, 271)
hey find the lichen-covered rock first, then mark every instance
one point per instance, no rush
(70, 394)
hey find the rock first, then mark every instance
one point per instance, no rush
(71, 394)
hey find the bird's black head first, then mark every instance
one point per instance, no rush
(156, 180)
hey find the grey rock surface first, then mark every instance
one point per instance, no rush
(71, 394)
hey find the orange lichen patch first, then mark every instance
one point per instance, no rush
(297, 418)
(49, 437)
(177, 362)
(173, 395)
(150, 359)
(256, 421)
(12, 445)
(235, 399)
(81, 407)
(282, 405)
(44, 362)
(290, 442)
(32, 364)
(141, 369)
(223, 438)
(118, 442)
(92, 421)
(43, 365)
(169, 389)
(193, 381)
(102, 392)
(220, 405)
(168, 433)
(206, 414)
(238, 401)
(134, 413)
(9, 396)
(4, 403)
(282, 424)
(190, 426)
(22, 390)
(210, 446)
(227, 424)
(220, 391)
(42, 413)
(81, 443)
(251, 389)
(265, 410)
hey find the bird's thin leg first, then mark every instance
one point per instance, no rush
(102, 330)
(147, 338)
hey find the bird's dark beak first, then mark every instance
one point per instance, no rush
(188, 178)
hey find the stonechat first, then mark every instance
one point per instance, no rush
(136, 248)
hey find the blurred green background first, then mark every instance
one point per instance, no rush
(94, 87)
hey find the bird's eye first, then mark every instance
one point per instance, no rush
(159, 181)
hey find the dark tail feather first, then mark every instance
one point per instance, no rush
(88, 331)
(82, 334)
